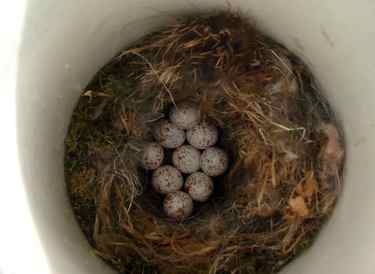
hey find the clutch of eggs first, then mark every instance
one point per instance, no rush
(184, 125)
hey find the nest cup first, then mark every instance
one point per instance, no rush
(287, 147)
(41, 158)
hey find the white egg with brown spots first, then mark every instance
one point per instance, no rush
(202, 136)
(186, 159)
(214, 161)
(152, 156)
(185, 115)
(168, 134)
(178, 205)
(199, 186)
(167, 179)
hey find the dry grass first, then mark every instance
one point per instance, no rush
(286, 149)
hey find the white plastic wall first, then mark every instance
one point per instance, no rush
(50, 49)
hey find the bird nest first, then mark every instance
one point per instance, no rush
(286, 152)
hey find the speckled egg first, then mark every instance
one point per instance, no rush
(202, 136)
(152, 156)
(185, 115)
(214, 161)
(168, 134)
(167, 179)
(186, 159)
(178, 205)
(199, 186)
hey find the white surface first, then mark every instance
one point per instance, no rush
(16, 227)
(50, 49)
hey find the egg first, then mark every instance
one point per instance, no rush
(186, 159)
(214, 161)
(152, 156)
(202, 136)
(199, 186)
(185, 115)
(168, 134)
(167, 179)
(178, 205)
